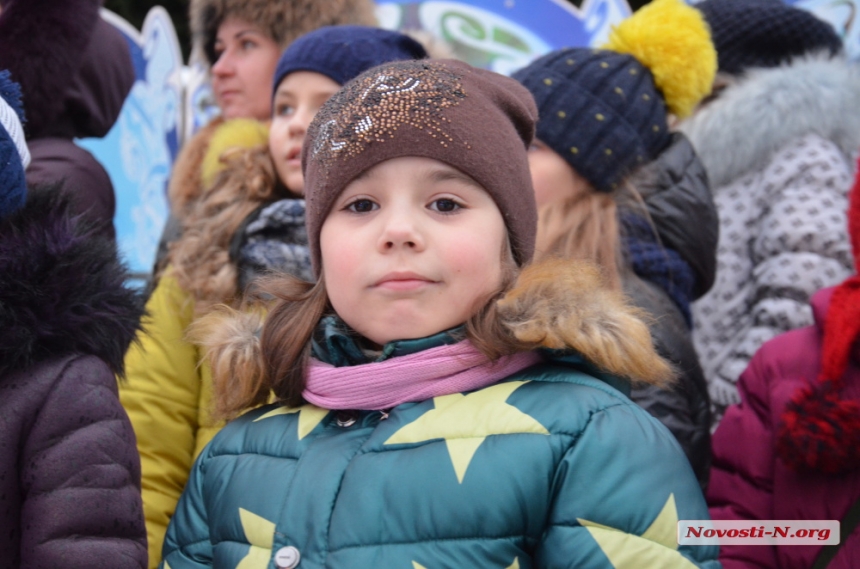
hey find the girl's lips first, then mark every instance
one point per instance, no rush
(294, 157)
(404, 284)
(403, 281)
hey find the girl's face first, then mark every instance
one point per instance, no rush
(410, 248)
(242, 75)
(552, 177)
(298, 98)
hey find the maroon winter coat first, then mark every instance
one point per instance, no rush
(69, 468)
(749, 481)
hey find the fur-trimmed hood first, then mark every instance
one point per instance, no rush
(563, 304)
(62, 289)
(752, 119)
(555, 305)
(282, 20)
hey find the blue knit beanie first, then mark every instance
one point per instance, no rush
(764, 33)
(14, 155)
(344, 52)
(605, 110)
(599, 110)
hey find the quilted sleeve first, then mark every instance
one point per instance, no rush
(187, 544)
(801, 244)
(619, 492)
(162, 394)
(80, 477)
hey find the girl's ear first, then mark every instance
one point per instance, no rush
(563, 304)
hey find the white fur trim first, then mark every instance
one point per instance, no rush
(754, 118)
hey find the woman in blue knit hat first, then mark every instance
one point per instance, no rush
(604, 151)
(249, 221)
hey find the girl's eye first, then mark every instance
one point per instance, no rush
(361, 206)
(284, 110)
(445, 205)
(248, 44)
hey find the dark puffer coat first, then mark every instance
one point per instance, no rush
(676, 194)
(69, 469)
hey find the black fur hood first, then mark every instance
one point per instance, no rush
(62, 289)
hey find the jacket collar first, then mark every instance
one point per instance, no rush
(337, 344)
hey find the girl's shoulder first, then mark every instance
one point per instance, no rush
(568, 393)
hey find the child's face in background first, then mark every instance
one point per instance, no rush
(552, 177)
(242, 74)
(410, 248)
(298, 98)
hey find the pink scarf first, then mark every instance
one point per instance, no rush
(416, 377)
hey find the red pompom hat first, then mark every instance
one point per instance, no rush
(820, 429)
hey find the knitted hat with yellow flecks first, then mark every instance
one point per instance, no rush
(605, 110)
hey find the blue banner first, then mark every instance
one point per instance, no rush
(504, 35)
(139, 151)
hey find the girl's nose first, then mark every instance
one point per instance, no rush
(299, 125)
(400, 231)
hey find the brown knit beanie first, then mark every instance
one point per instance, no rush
(474, 120)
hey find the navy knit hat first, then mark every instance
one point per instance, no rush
(764, 33)
(344, 52)
(605, 110)
(599, 110)
(14, 155)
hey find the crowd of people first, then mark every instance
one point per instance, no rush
(412, 313)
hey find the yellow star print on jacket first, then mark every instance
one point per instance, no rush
(552, 467)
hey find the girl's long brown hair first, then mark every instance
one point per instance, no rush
(200, 259)
(583, 225)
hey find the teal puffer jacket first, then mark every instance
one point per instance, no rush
(551, 467)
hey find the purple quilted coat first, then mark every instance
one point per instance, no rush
(69, 468)
(748, 480)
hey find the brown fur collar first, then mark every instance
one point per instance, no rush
(282, 20)
(564, 304)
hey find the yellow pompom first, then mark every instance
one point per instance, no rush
(234, 133)
(672, 40)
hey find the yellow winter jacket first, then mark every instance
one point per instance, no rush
(168, 390)
(167, 393)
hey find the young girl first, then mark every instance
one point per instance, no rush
(417, 424)
(603, 151)
(168, 395)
